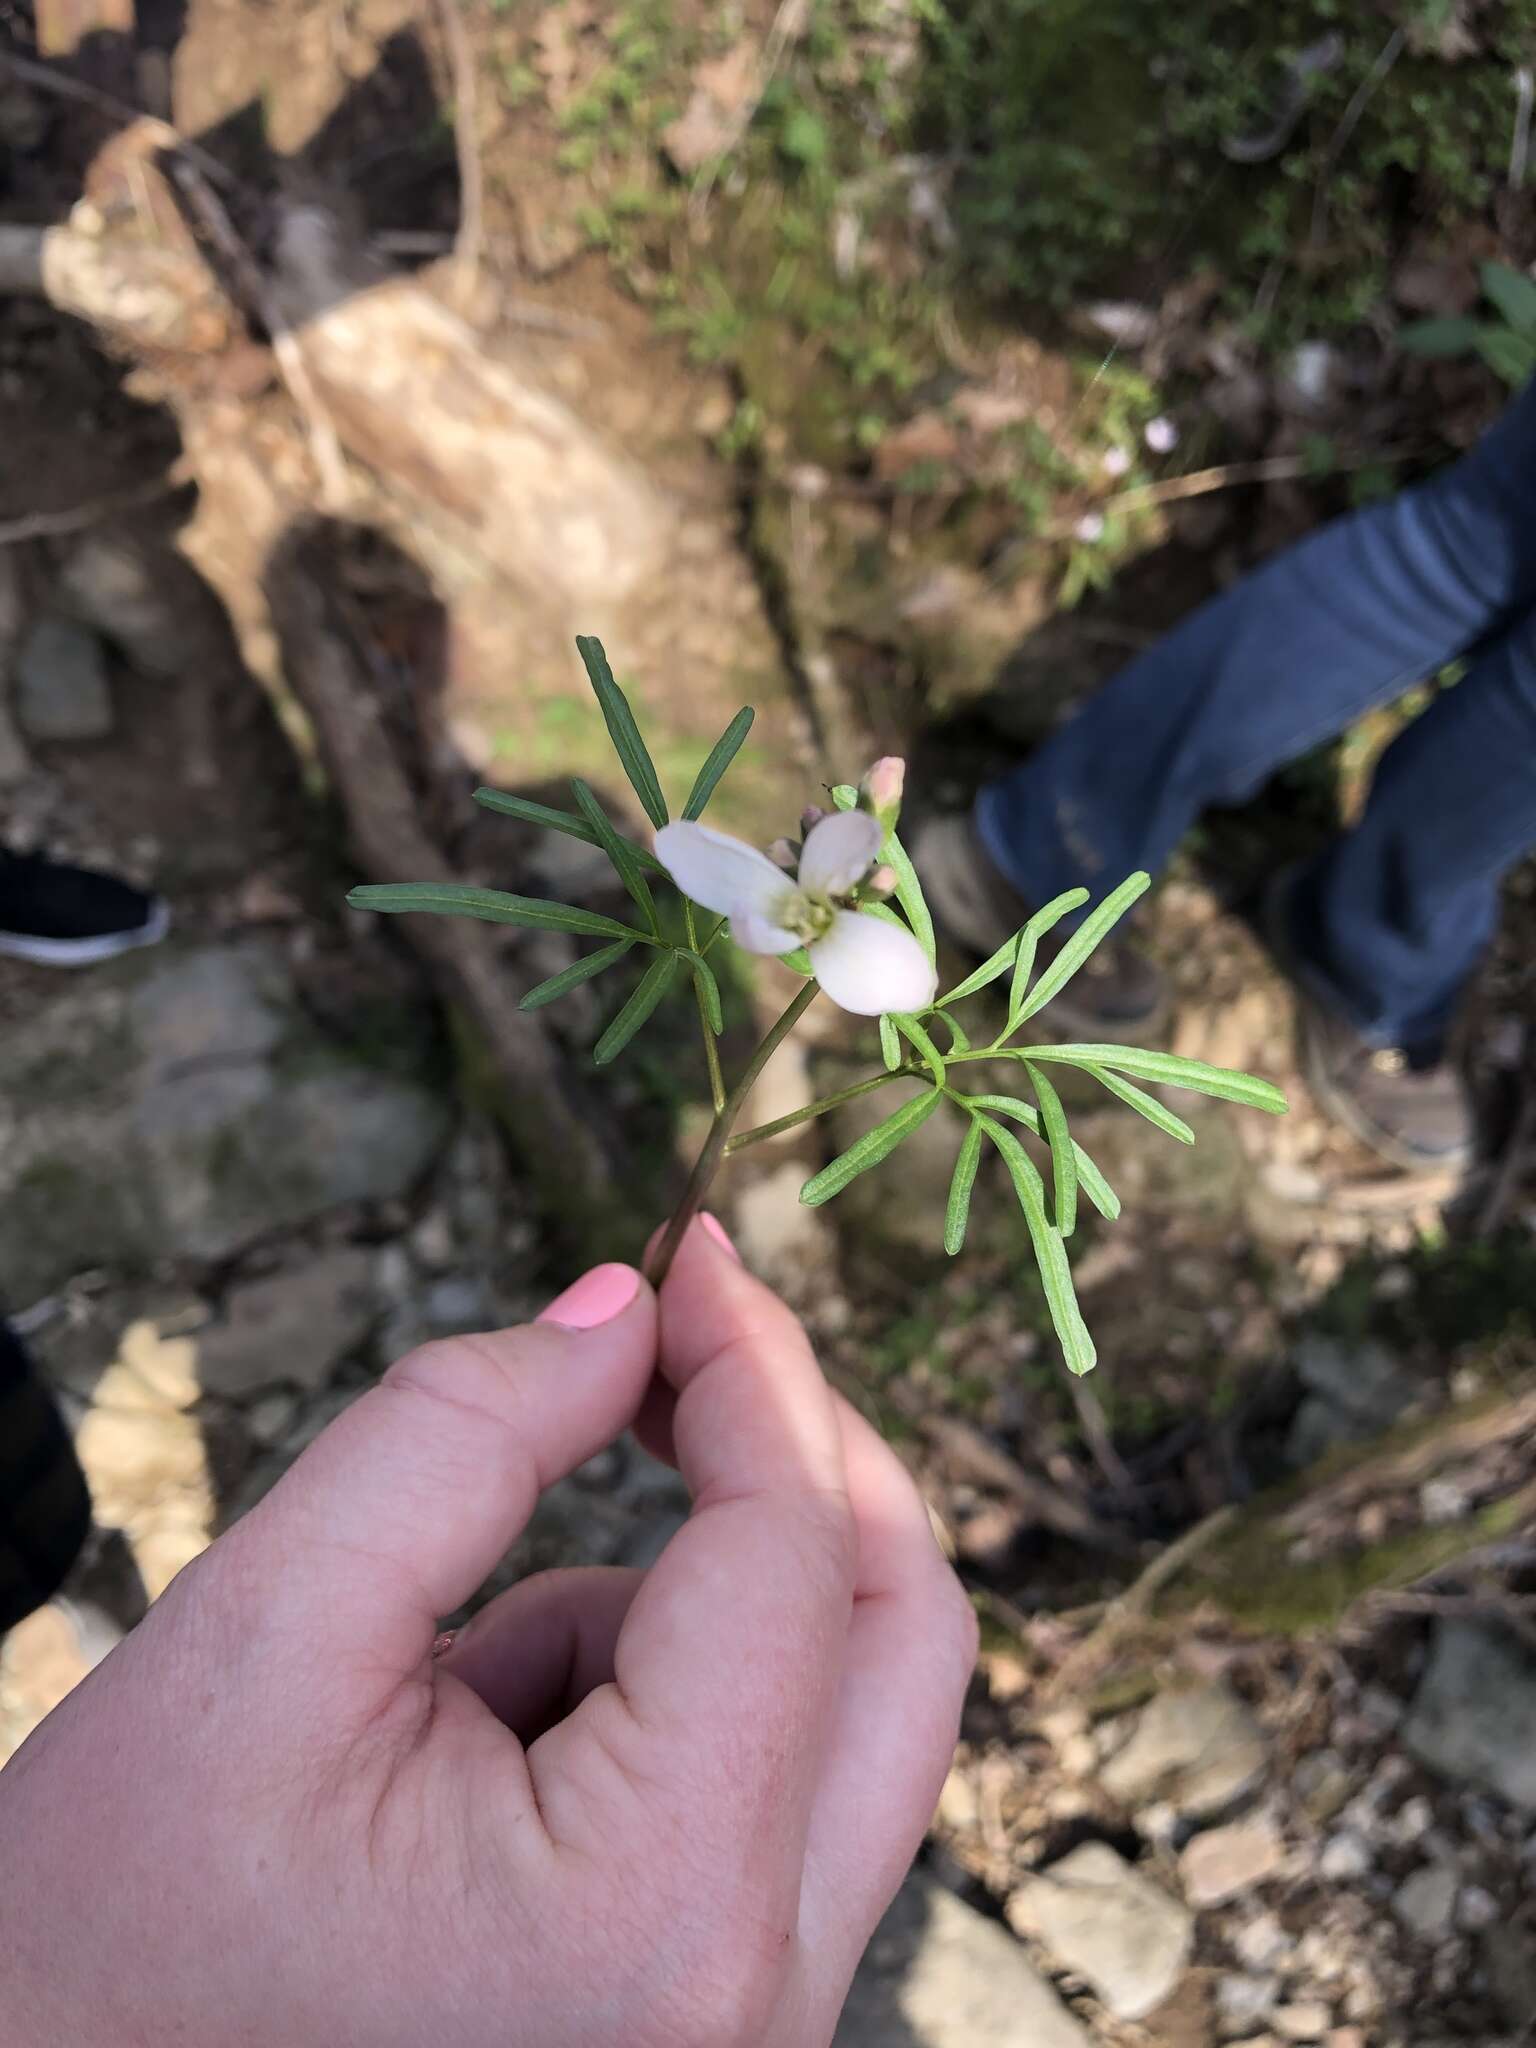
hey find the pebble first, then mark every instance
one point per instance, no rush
(1307, 2019)
(1198, 1747)
(1473, 1718)
(1242, 2002)
(62, 691)
(1261, 1942)
(1109, 1923)
(1346, 1855)
(1224, 1861)
(1426, 1901)
(1477, 1908)
(1413, 1820)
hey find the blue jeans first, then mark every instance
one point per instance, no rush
(1390, 920)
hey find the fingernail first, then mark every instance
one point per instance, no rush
(596, 1298)
(717, 1231)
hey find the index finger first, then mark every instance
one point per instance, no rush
(728, 1664)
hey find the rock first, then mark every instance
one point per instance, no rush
(270, 1419)
(1476, 1909)
(939, 1975)
(15, 761)
(1305, 2019)
(1355, 1392)
(1198, 1747)
(1426, 1902)
(290, 1328)
(1244, 2003)
(1106, 1921)
(777, 1236)
(62, 691)
(1262, 1942)
(1221, 1863)
(1508, 1955)
(1473, 1717)
(182, 1105)
(1346, 1856)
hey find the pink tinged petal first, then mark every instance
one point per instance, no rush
(723, 874)
(868, 966)
(757, 935)
(837, 852)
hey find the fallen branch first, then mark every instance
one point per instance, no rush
(141, 294)
(47, 525)
(1088, 1658)
(469, 245)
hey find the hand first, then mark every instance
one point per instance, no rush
(663, 1809)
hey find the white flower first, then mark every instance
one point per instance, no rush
(1161, 435)
(864, 964)
(1090, 527)
(1116, 461)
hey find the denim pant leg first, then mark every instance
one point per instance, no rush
(1393, 916)
(1345, 620)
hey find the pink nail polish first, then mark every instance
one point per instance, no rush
(717, 1231)
(596, 1298)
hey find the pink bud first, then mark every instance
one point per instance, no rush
(811, 815)
(884, 783)
(784, 854)
(882, 882)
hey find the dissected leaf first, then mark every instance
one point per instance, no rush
(622, 730)
(890, 1045)
(1045, 919)
(721, 755)
(1050, 1252)
(655, 982)
(572, 977)
(926, 1050)
(1093, 928)
(558, 821)
(988, 971)
(493, 906)
(1154, 1111)
(708, 987)
(1063, 1160)
(1170, 1070)
(957, 1211)
(909, 894)
(1089, 1178)
(958, 1041)
(625, 866)
(869, 1150)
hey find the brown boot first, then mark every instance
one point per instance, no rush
(1117, 994)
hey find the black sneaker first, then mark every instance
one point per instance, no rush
(1116, 994)
(1410, 1106)
(58, 916)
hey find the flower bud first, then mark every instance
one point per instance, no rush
(882, 882)
(882, 787)
(785, 854)
(811, 815)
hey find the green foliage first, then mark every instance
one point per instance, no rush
(1507, 345)
(910, 1046)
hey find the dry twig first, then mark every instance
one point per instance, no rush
(1133, 1605)
(469, 244)
(45, 525)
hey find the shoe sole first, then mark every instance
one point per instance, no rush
(87, 952)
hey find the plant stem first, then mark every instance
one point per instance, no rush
(659, 1262)
(803, 1116)
(711, 1050)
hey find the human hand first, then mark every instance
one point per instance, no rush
(663, 1809)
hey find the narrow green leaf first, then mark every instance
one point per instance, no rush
(572, 977)
(1154, 1111)
(657, 979)
(624, 865)
(558, 821)
(1452, 336)
(1170, 1070)
(1090, 1180)
(958, 1042)
(957, 1211)
(708, 987)
(622, 730)
(1050, 1252)
(916, 1036)
(869, 1150)
(890, 1045)
(1063, 1161)
(1082, 942)
(1044, 920)
(494, 906)
(909, 894)
(1513, 293)
(988, 971)
(721, 755)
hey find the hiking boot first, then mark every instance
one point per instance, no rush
(1410, 1106)
(1116, 994)
(58, 916)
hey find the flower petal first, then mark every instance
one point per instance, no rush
(837, 852)
(868, 966)
(756, 934)
(722, 873)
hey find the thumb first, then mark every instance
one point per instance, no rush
(397, 1511)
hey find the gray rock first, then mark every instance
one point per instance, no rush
(291, 1328)
(1354, 1391)
(1426, 1901)
(181, 1105)
(1474, 1715)
(1243, 2003)
(1222, 1862)
(939, 1975)
(62, 691)
(1198, 1748)
(1102, 1918)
